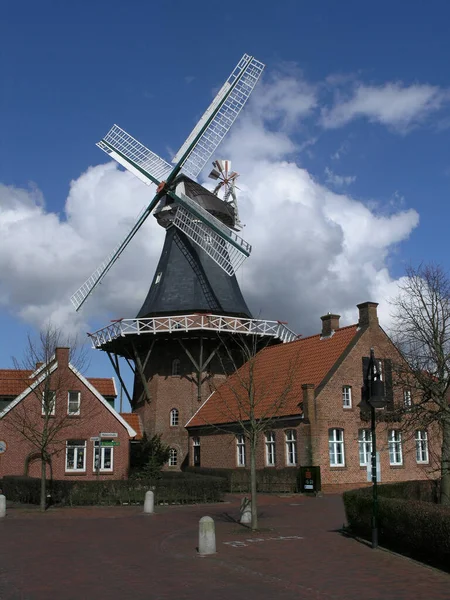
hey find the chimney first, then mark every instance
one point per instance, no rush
(367, 314)
(309, 406)
(329, 324)
(62, 356)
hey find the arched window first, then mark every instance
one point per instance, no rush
(176, 368)
(174, 417)
(291, 447)
(173, 457)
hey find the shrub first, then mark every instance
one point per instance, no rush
(238, 480)
(172, 488)
(415, 528)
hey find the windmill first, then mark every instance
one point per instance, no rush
(194, 302)
(227, 181)
(216, 238)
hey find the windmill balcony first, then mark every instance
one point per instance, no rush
(191, 322)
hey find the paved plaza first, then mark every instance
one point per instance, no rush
(119, 553)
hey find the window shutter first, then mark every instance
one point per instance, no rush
(388, 388)
(364, 391)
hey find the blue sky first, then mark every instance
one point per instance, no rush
(355, 97)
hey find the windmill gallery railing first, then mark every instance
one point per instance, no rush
(192, 322)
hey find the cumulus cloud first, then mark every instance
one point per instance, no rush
(394, 104)
(314, 250)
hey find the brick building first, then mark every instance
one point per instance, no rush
(76, 409)
(313, 387)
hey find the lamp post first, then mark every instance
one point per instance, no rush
(375, 396)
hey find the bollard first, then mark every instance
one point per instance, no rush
(246, 512)
(2, 506)
(149, 503)
(206, 536)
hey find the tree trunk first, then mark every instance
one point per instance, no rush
(445, 461)
(43, 483)
(254, 505)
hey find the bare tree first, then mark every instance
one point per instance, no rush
(38, 422)
(421, 331)
(251, 399)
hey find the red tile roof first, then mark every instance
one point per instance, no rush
(104, 385)
(278, 374)
(14, 381)
(134, 420)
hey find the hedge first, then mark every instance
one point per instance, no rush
(419, 529)
(170, 489)
(268, 480)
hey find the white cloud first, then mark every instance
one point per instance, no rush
(338, 180)
(314, 251)
(393, 104)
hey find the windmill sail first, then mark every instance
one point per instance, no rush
(134, 156)
(219, 117)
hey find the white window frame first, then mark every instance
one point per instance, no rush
(76, 445)
(77, 412)
(407, 399)
(395, 447)
(422, 455)
(240, 450)
(104, 451)
(346, 396)
(176, 367)
(364, 447)
(270, 449)
(291, 447)
(336, 447)
(173, 457)
(174, 417)
(53, 411)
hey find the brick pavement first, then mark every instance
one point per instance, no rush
(114, 553)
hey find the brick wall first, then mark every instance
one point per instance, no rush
(93, 419)
(178, 392)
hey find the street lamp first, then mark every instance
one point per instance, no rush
(374, 387)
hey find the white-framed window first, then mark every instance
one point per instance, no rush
(421, 446)
(291, 447)
(76, 455)
(336, 447)
(174, 417)
(196, 451)
(395, 447)
(365, 446)
(73, 403)
(240, 449)
(346, 396)
(158, 277)
(407, 400)
(48, 402)
(270, 449)
(173, 457)
(176, 366)
(106, 456)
